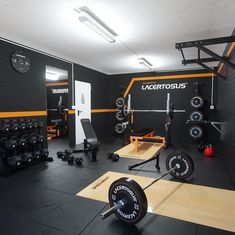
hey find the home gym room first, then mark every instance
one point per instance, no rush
(116, 117)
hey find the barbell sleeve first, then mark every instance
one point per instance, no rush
(111, 210)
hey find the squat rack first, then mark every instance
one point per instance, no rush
(200, 45)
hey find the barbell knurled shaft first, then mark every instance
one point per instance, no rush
(160, 177)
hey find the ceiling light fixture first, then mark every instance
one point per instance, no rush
(52, 76)
(95, 24)
(144, 62)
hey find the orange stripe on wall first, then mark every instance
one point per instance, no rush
(22, 114)
(57, 84)
(103, 110)
(72, 111)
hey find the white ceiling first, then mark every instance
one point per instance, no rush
(149, 28)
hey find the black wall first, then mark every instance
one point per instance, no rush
(226, 114)
(28, 92)
(53, 100)
(156, 99)
(25, 92)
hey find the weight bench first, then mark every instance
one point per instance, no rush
(91, 143)
(145, 135)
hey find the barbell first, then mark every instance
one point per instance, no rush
(127, 198)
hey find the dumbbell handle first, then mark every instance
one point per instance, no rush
(112, 209)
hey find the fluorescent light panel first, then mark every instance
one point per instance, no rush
(95, 25)
(145, 63)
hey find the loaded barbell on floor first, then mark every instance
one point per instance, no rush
(127, 198)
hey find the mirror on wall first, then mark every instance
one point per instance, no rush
(57, 102)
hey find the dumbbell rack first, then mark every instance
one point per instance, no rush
(21, 144)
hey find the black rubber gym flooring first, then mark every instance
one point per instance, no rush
(41, 199)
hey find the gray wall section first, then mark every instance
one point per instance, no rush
(226, 114)
(156, 99)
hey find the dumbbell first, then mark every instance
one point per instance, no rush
(27, 157)
(44, 153)
(29, 124)
(22, 142)
(40, 125)
(5, 126)
(22, 124)
(113, 156)
(70, 159)
(78, 161)
(32, 139)
(10, 143)
(36, 154)
(14, 125)
(60, 155)
(14, 161)
(40, 138)
(35, 123)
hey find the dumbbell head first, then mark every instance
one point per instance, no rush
(32, 139)
(40, 138)
(78, 161)
(27, 157)
(29, 124)
(11, 143)
(115, 157)
(14, 161)
(22, 124)
(44, 153)
(14, 125)
(34, 123)
(5, 126)
(70, 159)
(36, 154)
(40, 124)
(60, 154)
(22, 142)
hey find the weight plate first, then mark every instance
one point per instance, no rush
(61, 110)
(196, 116)
(197, 102)
(120, 102)
(185, 162)
(20, 62)
(196, 132)
(134, 199)
(125, 111)
(119, 128)
(120, 116)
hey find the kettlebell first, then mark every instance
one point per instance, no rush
(209, 151)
